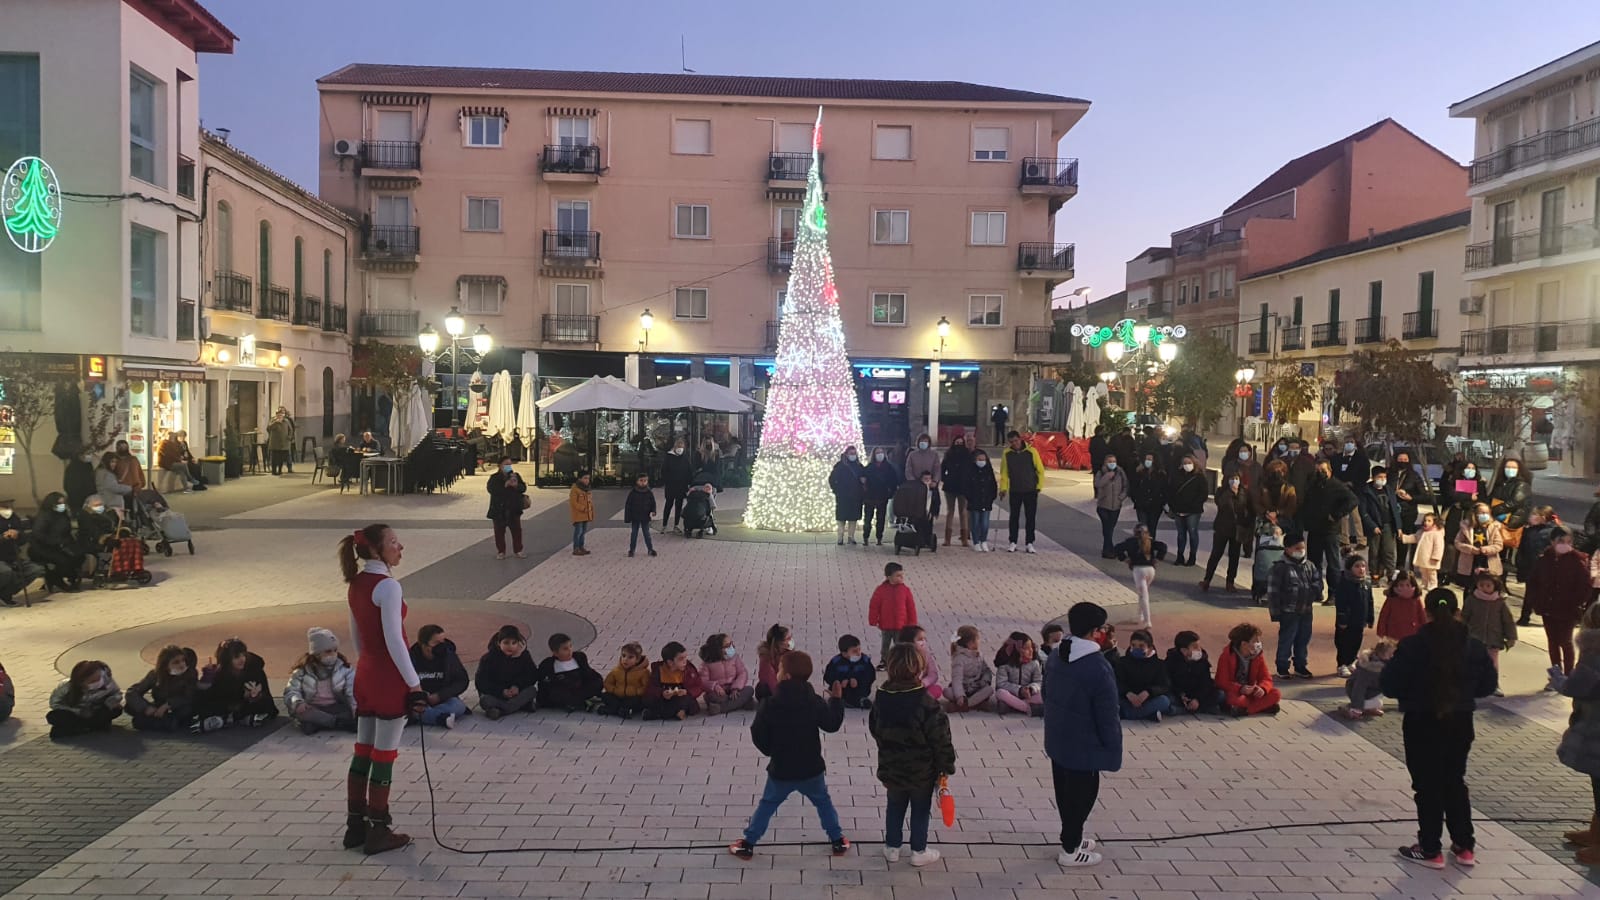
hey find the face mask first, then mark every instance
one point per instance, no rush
(1136, 652)
(878, 457)
(789, 643)
(1381, 483)
(1511, 471)
(97, 510)
(1255, 649)
(328, 659)
(177, 671)
(1294, 452)
(1563, 548)
(922, 445)
(730, 652)
(983, 464)
(1188, 467)
(1244, 454)
(506, 469)
(850, 456)
(1111, 467)
(61, 507)
(1233, 483)
(99, 684)
(1296, 555)
(1469, 472)
(1149, 463)
(1402, 463)
(854, 657)
(1283, 448)
(1483, 518)
(6, 513)
(1197, 655)
(1349, 448)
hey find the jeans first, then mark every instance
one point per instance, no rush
(1188, 536)
(515, 527)
(434, 715)
(1108, 528)
(980, 525)
(1154, 706)
(633, 537)
(673, 509)
(1219, 543)
(1436, 756)
(888, 641)
(339, 716)
(880, 509)
(1028, 503)
(1323, 550)
(1294, 634)
(814, 789)
(921, 805)
(522, 702)
(1381, 551)
(1149, 518)
(1076, 792)
(579, 531)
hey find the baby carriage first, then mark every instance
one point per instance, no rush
(153, 520)
(120, 560)
(697, 511)
(913, 519)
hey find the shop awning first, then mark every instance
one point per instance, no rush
(155, 370)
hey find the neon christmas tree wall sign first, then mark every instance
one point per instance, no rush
(812, 413)
(30, 204)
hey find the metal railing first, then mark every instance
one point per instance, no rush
(274, 303)
(1199, 246)
(392, 241)
(1042, 339)
(1294, 337)
(1328, 334)
(1371, 330)
(1540, 243)
(571, 329)
(1258, 342)
(1158, 309)
(571, 159)
(308, 310)
(574, 245)
(780, 254)
(1046, 257)
(788, 166)
(1541, 147)
(1045, 171)
(391, 155)
(1416, 325)
(186, 320)
(772, 336)
(1547, 337)
(336, 319)
(232, 291)
(388, 323)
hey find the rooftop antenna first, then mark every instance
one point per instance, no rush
(683, 56)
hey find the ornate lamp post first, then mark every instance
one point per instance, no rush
(455, 326)
(1242, 378)
(1132, 346)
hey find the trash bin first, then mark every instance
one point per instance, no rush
(214, 468)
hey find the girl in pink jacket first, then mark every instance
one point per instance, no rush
(726, 680)
(913, 634)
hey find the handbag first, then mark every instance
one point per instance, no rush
(527, 502)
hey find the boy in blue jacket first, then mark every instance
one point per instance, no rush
(1353, 613)
(853, 669)
(1082, 728)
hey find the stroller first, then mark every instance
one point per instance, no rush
(697, 509)
(153, 520)
(913, 518)
(121, 560)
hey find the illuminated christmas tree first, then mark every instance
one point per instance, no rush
(33, 210)
(811, 403)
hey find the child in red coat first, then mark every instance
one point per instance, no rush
(891, 608)
(1402, 613)
(1559, 592)
(1242, 674)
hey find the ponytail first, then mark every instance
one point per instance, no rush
(363, 543)
(964, 636)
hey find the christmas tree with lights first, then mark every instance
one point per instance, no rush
(811, 403)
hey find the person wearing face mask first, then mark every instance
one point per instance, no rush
(1186, 500)
(852, 670)
(1324, 508)
(1142, 680)
(1412, 490)
(1380, 517)
(677, 468)
(954, 471)
(1241, 461)
(164, 699)
(922, 458)
(723, 673)
(97, 525)
(882, 481)
(87, 701)
(1022, 476)
(981, 490)
(1111, 492)
(1242, 675)
(1231, 529)
(1580, 744)
(1294, 588)
(1535, 540)
(53, 546)
(1460, 489)
(1350, 465)
(1099, 447)
(779, 640)
(848, 481)
(1280, 450)
(1124, 448)
(1510, 497)
(915, 636)
(1560, 591)
(1478, 544)
(16, 573)
(1082, 729)
(1302, 466)
(507, 499)
(1194, 690)
(1148, 491)
(321, 689)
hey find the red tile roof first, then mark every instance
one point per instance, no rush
(1298, 171)
(378, 75)
(1394, 236)
(190, 22)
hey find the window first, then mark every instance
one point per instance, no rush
(1374, 299)
(1594, 207)
(891, 226)
(143, 128)
(391, 211)
(482, 295)
(1229, 274)
(484, 131)
(572, 299)
(692, 303)
(783, 299)
(788, 226)
(327, 280)
(1333, 305)
(144, 277)
(888, 309)
(1425, 294)
(891, 142)
(1559, 111)
(572, 131)
(983, 310)
(989, 228)
(794, 137)
(692, 136)
(1215, 278)
(1551, 205)
(1507, 130)
(1166, 294)
(990, 143)
(1194, 289)
(1183, 293)
(299, 267)
(483, 214)
(224, 237)
(1299, 307)
(691, 221)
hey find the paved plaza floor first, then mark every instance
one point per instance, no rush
(583, 806)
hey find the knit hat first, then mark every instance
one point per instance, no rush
(1084, 618)
(321, 640)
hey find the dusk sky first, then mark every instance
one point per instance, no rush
(1192, 103)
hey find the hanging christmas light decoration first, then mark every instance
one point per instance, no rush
(812, 414)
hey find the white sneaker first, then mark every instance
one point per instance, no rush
(1077, 858)
(450, 721)
(521, 555)
(977, 548)
(499, 556)
(1012, 548)
(921, 858)
(1030, 548)
(1344, 671)
(987, 548)
(892, 854)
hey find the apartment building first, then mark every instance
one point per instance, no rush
(1148, 277)
(102, 287)
(642, 225)
(273, 262)
(1533, 261)
(1403, 285)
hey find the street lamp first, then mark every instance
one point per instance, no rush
(1243, 377)
(1168, 352)
(646, 322)
(934, 378)
(430, 342)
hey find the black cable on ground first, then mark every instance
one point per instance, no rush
(433, 824)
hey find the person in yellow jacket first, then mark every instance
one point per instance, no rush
(581, 504)
(1021, 476)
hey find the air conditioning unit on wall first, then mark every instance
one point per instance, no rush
(346, 148)
(1472, 306)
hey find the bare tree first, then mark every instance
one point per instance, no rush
(29, 399)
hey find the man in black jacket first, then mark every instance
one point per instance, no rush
(442, 675)
(787, 728)
(953, 480)
(1326, 503)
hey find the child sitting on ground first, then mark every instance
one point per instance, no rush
(971, 680)
(234, 687)
(788, 729)
(565, 679)
(164, 700)
(1352, 613)
(86, 702)
(1189, 672)
(779, 641)
(625, 685)
(1402, 614)
(891, 608)
(1430, 551)
(726, 679)
(8, 695)
(1362, 687)
(853, 669)
(507, 678)
(914, 635)
(1142, 680)
(674, 688)
(1242, 674)
(321, 689)
(914, 751)
(1050, 637)
(1019, 677)
(1107, 639)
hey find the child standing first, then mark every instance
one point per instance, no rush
(625, 684)
(1363, 686)
(1488, 618)
(507, 677)
(779, 641)
(1141, 552)
(86, 702)
(321, 689)
(164, 700)
(788, 730)
(637, 511)
(971, 680)
(726, 679)
(1536, 538)
(853, 669)
(1559, 591)
(891, 608)
(565, 679)
(915, 636)
(1402, 614)
(1352, 613)
(914, 750)
(981, 489)
(1142, 680)
(1019, 676)
(1189, 673)
(1430, 551)
(580, 503)
(674, 688)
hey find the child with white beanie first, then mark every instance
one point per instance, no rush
(320, 691)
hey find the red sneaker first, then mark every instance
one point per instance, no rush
(1464, 857)
(1415, 854)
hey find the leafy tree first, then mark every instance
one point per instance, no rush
(391, 368)
(29, 399)
(1293, 393)
(1198, 385)
(1393, 390)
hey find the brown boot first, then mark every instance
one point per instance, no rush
(1205, 584)
(355, 822)
(1588, 837)
(1232, 588)
(355, 831)
(380, 839)
(1589, 856)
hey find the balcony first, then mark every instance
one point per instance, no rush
(1328, 334)
(772, 337)
(573, 248)
(568, 162)
(1524, 154)
(404, 156)
(1371, 331)
(400, 323)
(335, 320)
(308, 310)
(1258, 343)
(780, 254)
(232, 291)
(1418, 325)
(1527, 246)
(571, 329)
(1158, 309)
(1041, 340)
(1050, 261)
(1050, 177)
(186, 320)
(274, 303)
(1548, 337)
(391, 243)
(1219, 240)
(1294, 337)
(788, 167)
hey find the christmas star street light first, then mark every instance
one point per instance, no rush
(455, 326)
(1131, 346)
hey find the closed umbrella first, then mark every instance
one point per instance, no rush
(1090, 418)
(1074, 423)
(525, 416)
(501, 417)
(408, 425)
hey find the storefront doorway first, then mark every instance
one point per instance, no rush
(883, 392)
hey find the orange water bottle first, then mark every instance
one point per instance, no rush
(947, 802)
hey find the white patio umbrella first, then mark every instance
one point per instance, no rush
(1090, 418)
(525, 416)
(502, 415)
(696, 394)
(1074, 419)
(410, 422)
(608, 392)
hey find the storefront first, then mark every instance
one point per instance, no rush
(160, 399)
(244, 384)
(958, 401)
(44, 365)
(1535, 412)
(883, 394)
